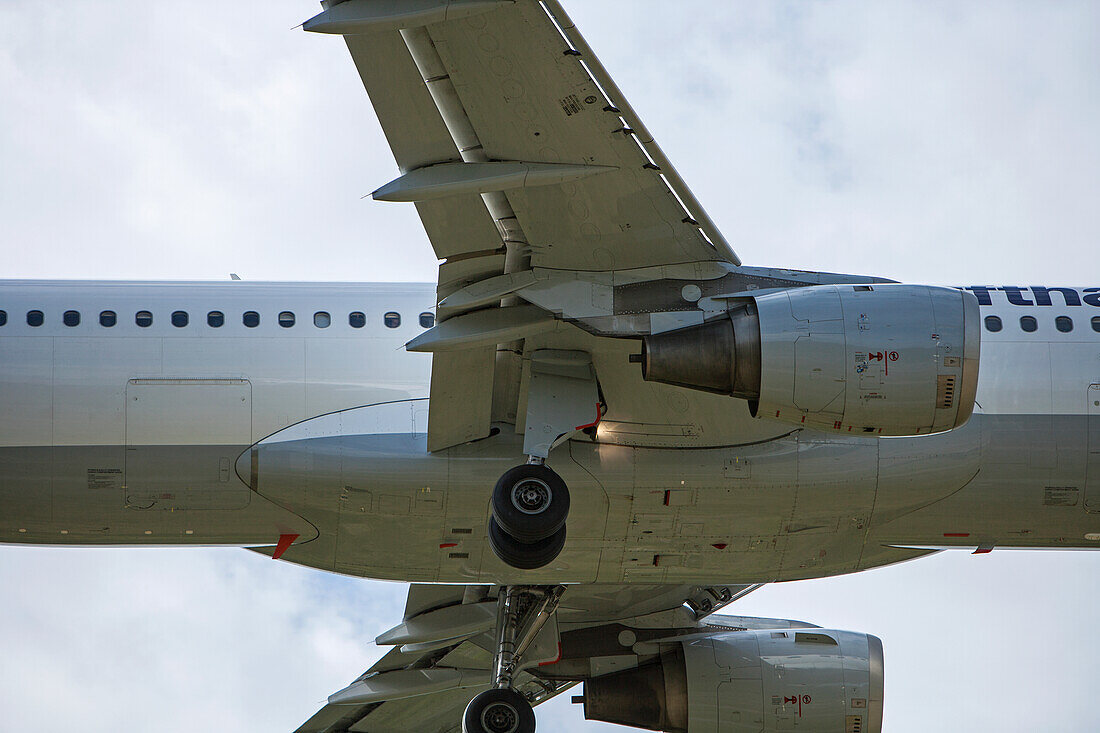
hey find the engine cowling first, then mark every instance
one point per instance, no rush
(811, 680)
(884, 359)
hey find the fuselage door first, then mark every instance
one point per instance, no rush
(1092, 470)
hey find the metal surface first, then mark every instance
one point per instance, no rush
(509, 615)
(538, 616)
(890, 360)
(722, 356)
(562, 397)
(361, 482)
(454, 179)
(633, 122)
(1092, 467)
(483, 328)
(374, 16)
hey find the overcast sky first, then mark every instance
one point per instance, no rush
(937, 142)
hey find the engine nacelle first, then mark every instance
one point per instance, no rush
(882, 359)
(811, 680)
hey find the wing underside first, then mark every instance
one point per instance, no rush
(442, 652)
(515, 84)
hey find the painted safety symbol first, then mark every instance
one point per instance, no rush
(799, 700)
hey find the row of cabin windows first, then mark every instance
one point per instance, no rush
(392, 319)
(1029, 324)
(216, 319)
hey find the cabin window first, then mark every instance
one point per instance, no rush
(1095, 322)
(1029, 324)
(108, 319)
(4, 318)
(143, 319)
(322, 319)
(993, 324)
(71, 318)
(427, 320)
(215, 319)
(1063, 324)
(251, 319)
(180, 319)
(392, 319)
(286, 319)
(35, 318)
(357, 320)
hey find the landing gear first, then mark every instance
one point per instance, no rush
(524, 555)
(499, 711)
(522, 611)
(530, 506)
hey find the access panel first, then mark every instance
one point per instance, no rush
(183, 437)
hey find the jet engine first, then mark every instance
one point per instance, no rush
(883, 359)
(740, 681)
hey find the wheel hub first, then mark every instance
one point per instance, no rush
(532, 496)
(500, 718)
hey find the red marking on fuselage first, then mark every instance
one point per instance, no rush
(285, 541)
(956, 534)
(445, 545)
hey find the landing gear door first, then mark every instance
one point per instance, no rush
(562, 398)
(1092, 469)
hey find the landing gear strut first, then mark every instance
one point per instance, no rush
(531, 502)
(521, 613)
(530, 506)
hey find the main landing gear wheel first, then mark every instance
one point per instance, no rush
(524, 555)
(531, 502)
(499, 711)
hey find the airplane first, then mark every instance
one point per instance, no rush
(136, 384)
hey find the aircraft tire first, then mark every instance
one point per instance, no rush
(531, 502)
(524, 555)
(498, 711)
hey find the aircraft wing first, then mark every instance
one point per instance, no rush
(520, 153)
(425, 683)
(557, 218)
(536, 118)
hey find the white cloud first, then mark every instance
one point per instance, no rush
(219, 639)
(924, 141)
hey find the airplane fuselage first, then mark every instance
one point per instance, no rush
(301, 414)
